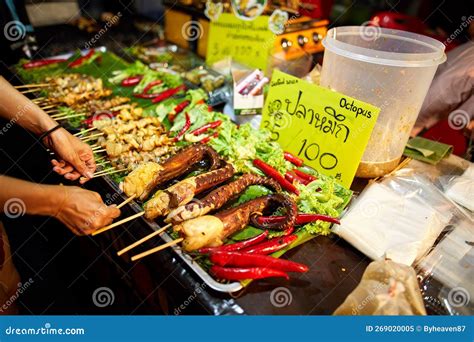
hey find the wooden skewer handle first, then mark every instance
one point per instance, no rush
(118, 223)
(142, 240)
(156, 249)
(131, 198)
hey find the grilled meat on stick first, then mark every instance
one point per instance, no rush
(184, 191)
(218, 197)
(137, 184)
(76, 88)
(212, 230)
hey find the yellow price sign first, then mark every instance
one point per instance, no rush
(248, 42)
(327, 129)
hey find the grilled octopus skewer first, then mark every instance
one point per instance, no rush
(184, 191)
(211, 230)
(218, 197)
(146, 177)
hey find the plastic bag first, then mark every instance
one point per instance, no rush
(399, 218)
(386, 288)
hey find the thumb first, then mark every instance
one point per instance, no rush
(113, 211)
(81, 167)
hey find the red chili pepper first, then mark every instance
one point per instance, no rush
(291, 177)
(151, 85)
(238, 245)
(300, 219)
(288, 231)
(304, 175)
(131, 81)
(206, 127)
(270, 246)
(42, 62)
(252, 260)
(168, 93)
(246, 273)
(146, 96)
(272, 173)
(293, 159)
(208, 138)
(178, 109)
(186, 126)
(79, 61)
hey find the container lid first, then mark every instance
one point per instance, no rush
(378, 45)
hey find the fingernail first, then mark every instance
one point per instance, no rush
(89, 174)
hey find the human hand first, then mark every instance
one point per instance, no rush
(83, 211)
(75, 157)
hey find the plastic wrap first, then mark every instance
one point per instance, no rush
(399, 218)
(408, 218)
(386, 288)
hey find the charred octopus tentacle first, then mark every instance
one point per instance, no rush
(184, 191)
(211, 230)
(217, 198)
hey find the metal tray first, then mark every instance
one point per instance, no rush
(206, 277)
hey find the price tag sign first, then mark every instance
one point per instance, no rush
(327, 129)
(248, 42)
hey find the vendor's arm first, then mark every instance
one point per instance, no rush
(76, 157)
(82, 211)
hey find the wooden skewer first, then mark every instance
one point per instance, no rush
(39, 99)
(142, 240)
(48, 106)
(84, 131)
(156, 249)
(103, 163)
(100, 151)
(66, 117)
(99, 159)
(104, 171)
(91, 137)
(118, 223)
(32, 90)
(62, 116)
(126, 201)
(33, 85)
(52, 111)
(109, 173)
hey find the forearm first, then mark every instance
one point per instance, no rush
(30, 198)
(19, 109)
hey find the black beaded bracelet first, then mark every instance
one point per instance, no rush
(45, 134)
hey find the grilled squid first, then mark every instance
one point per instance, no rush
(148, 176)
(184, 191)
(212, 230)
(218, 197)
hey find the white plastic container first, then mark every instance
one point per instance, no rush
(390, 69)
